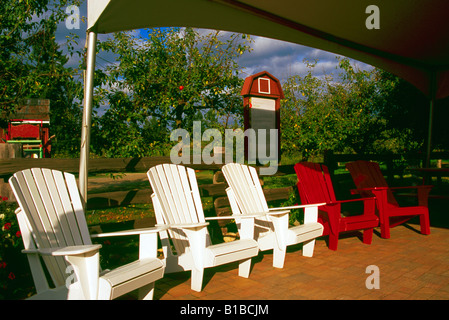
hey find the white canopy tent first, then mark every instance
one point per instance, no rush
(411, 41)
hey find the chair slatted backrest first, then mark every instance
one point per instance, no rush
(245, 183)
(314, 183)
(51, 202)
(367, 174)
(177, 194)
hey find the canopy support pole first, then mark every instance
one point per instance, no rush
(433, 83)
(87, 113)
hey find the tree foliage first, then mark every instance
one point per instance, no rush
(167, 80)
(356, 110)
(32, 64)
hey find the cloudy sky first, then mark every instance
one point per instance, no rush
(282, 59)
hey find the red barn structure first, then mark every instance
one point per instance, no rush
(262, 94)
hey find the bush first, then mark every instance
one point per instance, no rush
(15, 277)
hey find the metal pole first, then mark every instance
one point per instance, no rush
(433, 84)
(87, 114)
(429, 135)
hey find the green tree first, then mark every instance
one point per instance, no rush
(165, 80)
(347, 112)
(406, 111)
(32, 64)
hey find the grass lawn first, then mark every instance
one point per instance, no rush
(122, 182)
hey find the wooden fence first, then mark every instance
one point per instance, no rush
(216, 190)
(395, 163)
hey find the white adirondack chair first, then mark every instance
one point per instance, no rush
(177, 204)
(54, 230)
(272, 229)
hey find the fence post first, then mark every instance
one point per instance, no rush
(329, 161)
(390, 171)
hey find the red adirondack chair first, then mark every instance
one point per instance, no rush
(369, 180)
(315, 186)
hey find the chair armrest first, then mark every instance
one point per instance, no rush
(352, 200)
(196, 237)
(238, 216)
(412, 187)
(279, 218)
(422, 194)
(147, 239)
(358, 190)
(277, 212)
(310, 211)
(67, 251)
(188, 225)
(85, 261)
(299, 206)
(361, 190)
(369, 204)
(132, 232)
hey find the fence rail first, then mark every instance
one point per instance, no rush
(9, 166)
(118, 198)
(99, 165)
(215, 190)
(332, 159)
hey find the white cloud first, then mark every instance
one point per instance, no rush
(284, 59)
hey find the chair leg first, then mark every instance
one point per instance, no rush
(104, 290)
(245, 268)
(308, 247)
(368, 236)
(425, 223)
(333, 241)
(86, 268)
(385, 231)
(385, 228)
(278, 257)
(197, 279)
(146, 292)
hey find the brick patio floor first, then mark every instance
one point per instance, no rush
(411, 267)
